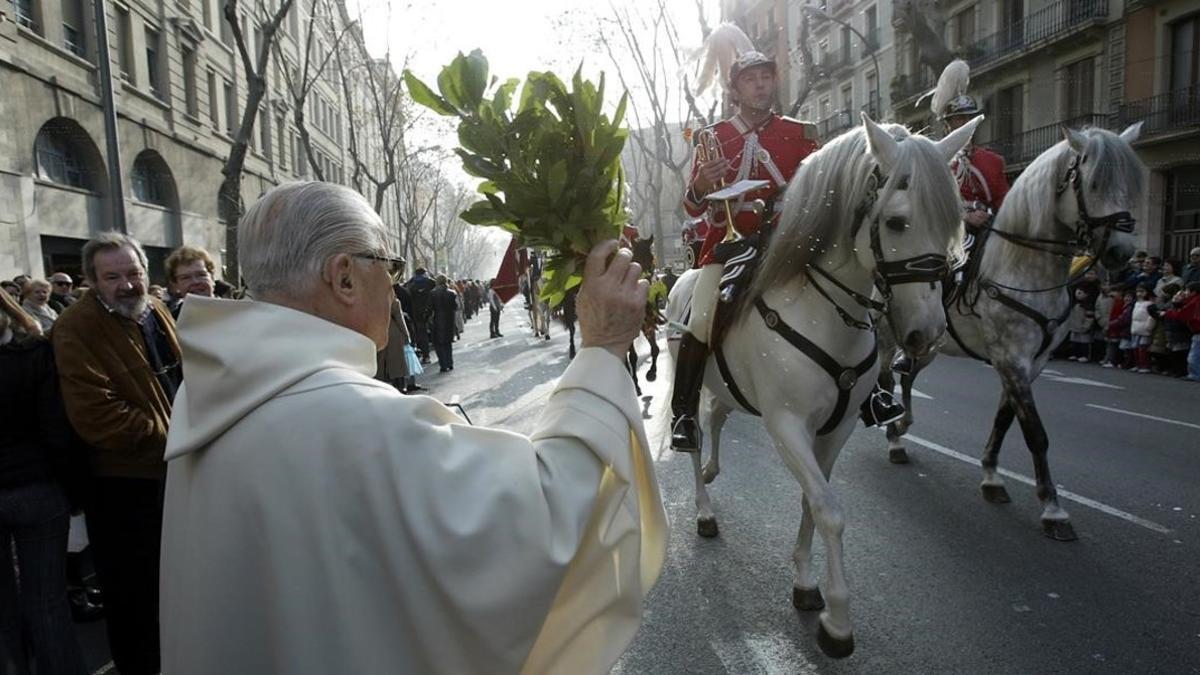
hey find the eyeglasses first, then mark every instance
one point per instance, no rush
(60, 283)
(395, 266)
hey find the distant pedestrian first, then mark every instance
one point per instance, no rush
(495, 305)
(444, 302)
(190, 271)
(420, 286)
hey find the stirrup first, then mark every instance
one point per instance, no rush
(881, 408)
(683, 435)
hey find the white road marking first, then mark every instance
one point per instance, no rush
(1149, 417)
(1085, 381)
(768, 653)
(106, 668)
(1065, 494)
(1047, 371)
(899, 390)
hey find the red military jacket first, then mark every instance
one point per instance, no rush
(776, 147)
(982, 179)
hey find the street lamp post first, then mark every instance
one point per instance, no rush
(818, 15)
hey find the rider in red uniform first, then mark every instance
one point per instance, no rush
(979, 171)
(754, 144)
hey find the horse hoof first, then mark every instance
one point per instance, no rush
(707, 527)
(1059, 530)
(996, 494)
(651, 375)
(898, 456)
(834, 648)
(807, 599)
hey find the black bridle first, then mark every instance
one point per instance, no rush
(1084, 228)
(925, 268)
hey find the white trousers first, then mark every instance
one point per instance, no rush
(704, 302)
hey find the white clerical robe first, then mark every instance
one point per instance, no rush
(317, 521)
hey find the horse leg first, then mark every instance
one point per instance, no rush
(806, 596)
(835, 636)
(993, 485)
(717, 415)
(632, 357)
(652, 374)
(1056, 524)
(706, 520)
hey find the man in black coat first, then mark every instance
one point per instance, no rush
(444, 303)
(420, 287)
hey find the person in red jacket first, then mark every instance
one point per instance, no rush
(980, 171)
(1187, 311)
(758, 144)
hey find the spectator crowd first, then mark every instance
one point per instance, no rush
(89, 370)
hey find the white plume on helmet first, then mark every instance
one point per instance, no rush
(955, 79)
(721, 50)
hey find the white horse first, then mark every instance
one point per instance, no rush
(1012, 312)
(876, 208)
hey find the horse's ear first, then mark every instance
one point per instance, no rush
(880, 144)
(1075, 139)
(1132, 132)
(956, 140)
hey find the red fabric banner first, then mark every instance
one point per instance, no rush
(505, 282)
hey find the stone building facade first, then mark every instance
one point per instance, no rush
(180, 93)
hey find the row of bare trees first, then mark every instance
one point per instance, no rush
(383, 158)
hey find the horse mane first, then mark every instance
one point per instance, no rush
(1029, 208)
(821, 199)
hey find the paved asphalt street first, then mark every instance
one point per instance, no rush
(941, 581)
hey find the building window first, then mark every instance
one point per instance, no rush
(73, 29)
(264, 135)
(24, 11)
(230, 108)
(61, 151)
(872, 33)
(848, 97)
(280, 128)
(214, 107)
(151, 180)
(964, 28)
(1079, 79)
(1009, 112)
(153, 68)
(191, 98)
(125, 44)
(1185, 54)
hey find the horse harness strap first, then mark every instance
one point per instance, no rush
(844, 377)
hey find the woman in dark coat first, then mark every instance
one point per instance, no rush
(35, 443)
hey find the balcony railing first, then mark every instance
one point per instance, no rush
(1047, 24)
(1171, 111)
(1023, 147)
(830, 63)
(872, 106)
(835, 124)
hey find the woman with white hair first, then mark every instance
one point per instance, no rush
(317, 521)
(35, 299)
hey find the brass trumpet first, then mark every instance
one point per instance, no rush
(708, 148)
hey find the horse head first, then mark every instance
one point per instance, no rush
(1103, 186)
(643, 253)
(911, 227)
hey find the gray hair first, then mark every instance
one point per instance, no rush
(109, 241)
(289, 234)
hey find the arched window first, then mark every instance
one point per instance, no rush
(151, 180)
(65, 154)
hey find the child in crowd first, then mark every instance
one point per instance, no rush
(1141, 329)
(1185, 308)
(1118, 327)
(1104, 305)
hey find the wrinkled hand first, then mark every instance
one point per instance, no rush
(612, 299)
(709, 176)
(976, 218)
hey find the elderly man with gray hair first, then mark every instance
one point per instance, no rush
(319, 521)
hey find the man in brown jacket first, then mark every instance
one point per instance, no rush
(119, 366)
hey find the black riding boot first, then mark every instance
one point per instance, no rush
(880, 408)
(685, 397)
